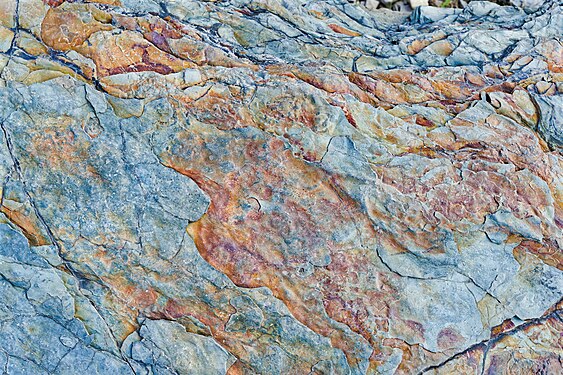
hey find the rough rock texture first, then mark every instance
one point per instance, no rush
(280, 187)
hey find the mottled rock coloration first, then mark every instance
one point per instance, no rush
(280, 187)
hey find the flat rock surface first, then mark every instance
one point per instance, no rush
(280, 187)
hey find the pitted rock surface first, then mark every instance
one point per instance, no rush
(280, 187)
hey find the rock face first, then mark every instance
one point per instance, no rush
(280, 187)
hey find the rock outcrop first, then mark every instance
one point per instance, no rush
(280, 187)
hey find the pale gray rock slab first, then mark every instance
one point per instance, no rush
(166, 347)
(528, 5)
(38, 330)
(551, 119)
(428, 14)
(440, 306)
(530, 291)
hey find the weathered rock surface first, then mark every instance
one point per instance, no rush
(280, 187)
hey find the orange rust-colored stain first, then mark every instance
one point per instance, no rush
(236, 368)
(420, 120)
(285, 109)
(29, 226)
(248, 246)
(442, 47)
(383, 90)
(335, 84)
(144, 65)
(396, 86)
(194, 50)
(547, 252)
(505, 326)
(108, 2)
(64, 30)
(125, 22)
(221, 109)
(261, 226)
(58, 146)
(342, 30)
(110, 57)
(417, 46)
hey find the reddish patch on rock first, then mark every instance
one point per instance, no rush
(424, 121)
(507, 325)
(448, 338)
(342, 30)
(548, 251)
(268, 248)
(53, 3)
(147, 65)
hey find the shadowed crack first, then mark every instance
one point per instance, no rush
(485, 345)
